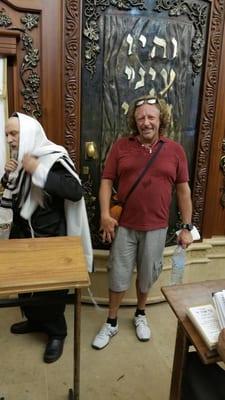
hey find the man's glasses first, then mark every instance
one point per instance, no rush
(152, 100)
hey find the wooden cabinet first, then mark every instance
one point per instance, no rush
(44, 70)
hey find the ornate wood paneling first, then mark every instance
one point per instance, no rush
(38, 68)
(197, 13)
(214, 212)
(208, 110)
(209, 95)
(92, 13)
(27, 54)
(72, 57)
(48, 64)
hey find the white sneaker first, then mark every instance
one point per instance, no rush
(103, 337)
(143, 331)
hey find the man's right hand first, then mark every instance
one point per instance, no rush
(11, 166)
(108, 225)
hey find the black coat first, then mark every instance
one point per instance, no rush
(48, 220)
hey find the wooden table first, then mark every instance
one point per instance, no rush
(40, 264)
(179, 298)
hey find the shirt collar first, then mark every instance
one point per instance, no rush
(134, 138)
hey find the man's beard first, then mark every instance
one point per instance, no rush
(13, 153)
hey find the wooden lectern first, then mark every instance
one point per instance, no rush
(40, 264)
(180, 297)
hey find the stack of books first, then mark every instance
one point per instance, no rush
(209, 319)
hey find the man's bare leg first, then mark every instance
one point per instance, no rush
(115, 299)
(141, 297)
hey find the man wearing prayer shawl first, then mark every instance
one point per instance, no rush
(45, 194)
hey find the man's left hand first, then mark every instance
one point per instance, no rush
(185, 238)
(30, 163)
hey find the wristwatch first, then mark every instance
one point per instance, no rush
(189, 227)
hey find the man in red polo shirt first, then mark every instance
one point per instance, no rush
(139, 237)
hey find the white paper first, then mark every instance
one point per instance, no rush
(194, 232)
(206, 321)
(219, 302)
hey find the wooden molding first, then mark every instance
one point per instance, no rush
(72, 78)
(7, 45)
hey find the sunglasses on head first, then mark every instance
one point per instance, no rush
(152, 100)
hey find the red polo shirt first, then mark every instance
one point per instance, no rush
(147, 208)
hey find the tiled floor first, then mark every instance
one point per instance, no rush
(126, 369)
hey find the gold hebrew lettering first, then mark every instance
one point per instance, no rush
(141, 82)
(130, 41)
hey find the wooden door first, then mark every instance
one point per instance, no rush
(214, 211)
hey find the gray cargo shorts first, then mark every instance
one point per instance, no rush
(130, 249)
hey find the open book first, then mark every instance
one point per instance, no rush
(209, 319)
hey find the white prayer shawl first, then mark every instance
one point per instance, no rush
(33, 140)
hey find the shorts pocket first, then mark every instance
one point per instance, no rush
(158, 266)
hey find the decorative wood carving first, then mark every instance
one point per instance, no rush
(72, 78)
(27, 70)
(208, 110)
(92, 12)
(5, 20)
(222, 167)
(197, 13)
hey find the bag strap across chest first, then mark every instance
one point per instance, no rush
(143, 172)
